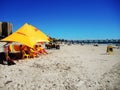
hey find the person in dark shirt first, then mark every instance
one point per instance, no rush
(8, 59)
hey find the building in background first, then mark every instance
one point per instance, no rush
(5, 29)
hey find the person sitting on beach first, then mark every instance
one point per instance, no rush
(40, 49)
(24, 52)
(33, 53)
(30, 51)
(8, 59)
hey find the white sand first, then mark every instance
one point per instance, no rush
(72, 67)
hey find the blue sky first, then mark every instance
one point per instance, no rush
(68, 19)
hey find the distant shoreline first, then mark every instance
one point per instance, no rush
(94, 41)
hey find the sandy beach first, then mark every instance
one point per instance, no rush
(73, 67)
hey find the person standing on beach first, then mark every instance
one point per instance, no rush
(7, 58)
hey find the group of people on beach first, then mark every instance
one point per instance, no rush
(28, 52)
(22, 52)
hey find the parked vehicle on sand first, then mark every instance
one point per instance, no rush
(52, 45)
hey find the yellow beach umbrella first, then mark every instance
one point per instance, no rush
(27, 35)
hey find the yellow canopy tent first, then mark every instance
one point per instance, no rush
(27, 35)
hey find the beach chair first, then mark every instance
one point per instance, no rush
(14, 48)
(40, 50)
(109, 49)
(10, 48)
(33, 53)
(25, 55)
(14, 51)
